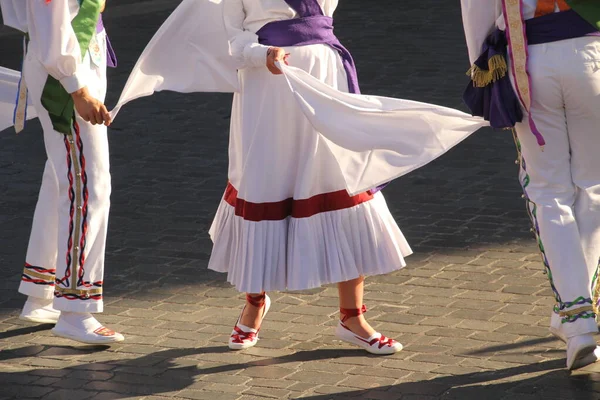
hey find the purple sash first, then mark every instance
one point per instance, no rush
(557, 26)
(111, 57)
(497, 101)
(311, 27)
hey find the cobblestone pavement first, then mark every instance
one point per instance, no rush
(471, 308)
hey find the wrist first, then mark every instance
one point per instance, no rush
(79, 93)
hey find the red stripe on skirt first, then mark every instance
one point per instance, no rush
(304, 208)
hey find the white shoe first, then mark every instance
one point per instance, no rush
(591, 358)
(580, 348)
(376, 344)
(243, 337)
(84, 328)
(39, 311)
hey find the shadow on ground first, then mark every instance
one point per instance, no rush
(549, 381)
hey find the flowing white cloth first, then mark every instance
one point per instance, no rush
(9, 84)
(189, 53)
(374, 139)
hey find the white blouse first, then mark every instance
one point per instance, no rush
(243, 18)
(53, 41)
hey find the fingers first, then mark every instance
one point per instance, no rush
(271, 65)
(96, 116)
(105, 115)
(273, 69)
(275, 54)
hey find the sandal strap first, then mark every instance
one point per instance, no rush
(352, 312)
(256, 301)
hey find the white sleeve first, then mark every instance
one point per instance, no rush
(243, 44)
(479, 20)
(57, 47)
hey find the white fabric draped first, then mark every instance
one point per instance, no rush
(376, 139)
(189, 53)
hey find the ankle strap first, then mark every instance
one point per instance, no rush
(256, 301)
(352, 312)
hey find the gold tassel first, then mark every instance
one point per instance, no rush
(596, 293)
(497, 69)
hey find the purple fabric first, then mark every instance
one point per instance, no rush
(311, 27)
(557, 26)
(496, 102)
(111, 57)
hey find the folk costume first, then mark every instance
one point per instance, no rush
(306, 158)
(535, 67)
(66, 51)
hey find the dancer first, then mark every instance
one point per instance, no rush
(553, 50)
(65, 73)
(301, 208)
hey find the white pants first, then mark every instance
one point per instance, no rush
(65, 258)
(562, 181)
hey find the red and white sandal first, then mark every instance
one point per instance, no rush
(243, 337)
(376, 344)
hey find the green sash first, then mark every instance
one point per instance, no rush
(55, 98)
(588, 9)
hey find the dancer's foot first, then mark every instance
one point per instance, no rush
(358, 324)
(39, 311)
(253, 312)
(245, 335)
(580, 350)
(557, 331)
(364, 336)
(84, 328)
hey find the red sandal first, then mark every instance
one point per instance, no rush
(243, 337)
(376, 344)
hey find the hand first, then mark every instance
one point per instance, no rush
(103, 6)
(275, 54)
(90, 109)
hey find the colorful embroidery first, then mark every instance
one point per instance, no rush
(73, 286)
(582, 315)
(596, 290)
(38, 275)
(532, 212)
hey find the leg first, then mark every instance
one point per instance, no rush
(245, 331)
(37, 281)
(550, 192)
(84, 200)
(40, 267)
(82, 213)
(546, 177)
(353, 328)
(351, 297)
(252, 313)
(582, 100)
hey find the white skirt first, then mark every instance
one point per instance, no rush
(286, 220)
